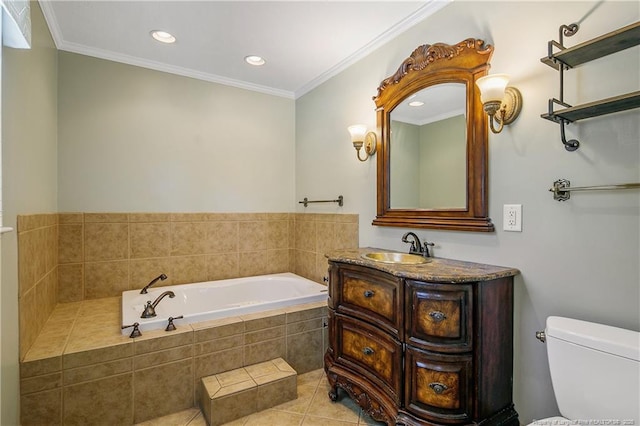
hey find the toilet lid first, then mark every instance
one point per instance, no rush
(552, 421)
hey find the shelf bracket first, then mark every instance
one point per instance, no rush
(570, 145)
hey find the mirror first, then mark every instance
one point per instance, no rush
(427, 141)
(432, 158)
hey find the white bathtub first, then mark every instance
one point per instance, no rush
(218, 299)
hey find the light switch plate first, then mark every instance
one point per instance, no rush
(512, 217)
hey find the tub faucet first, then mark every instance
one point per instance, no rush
(155, 280)
(150, 308)
(416, 246)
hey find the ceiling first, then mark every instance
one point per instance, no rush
(304, 42)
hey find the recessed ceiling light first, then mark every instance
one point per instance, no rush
(416, 103)
(254, 60)
(163, 36)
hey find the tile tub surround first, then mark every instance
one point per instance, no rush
(70, 257)
(100, 255)
(82, 370)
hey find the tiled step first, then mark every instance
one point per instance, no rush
(237, 393)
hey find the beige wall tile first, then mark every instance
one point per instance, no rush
(217, 362)
(326, 237)
(222, 266)
(157, 340)
(31, 258)
(189, 217)
(222, 236)
(264, 351)
(71, 243)
(106, 217)
(252, 236)
(98, 402)
(305, 264)
(276, 392)
(304, 351)
(51, 247)
(278, 234)
(252, 263)
(305, 235)
(150, 240)
(142, 271)
(163, 390)
(106, 241)
(28, 311)
(149, 217)
(264, 334)
(216, 329)
(42, 408)
(221, 344)
(35, 221)
(188, 238)
(97, 371)
(277, 261)
(224, 410)
(262, 320)
(36, 367)
(188, 269)
(302, 326)
(66, 218)
(161, 357)
(40, 383)
(306, 311)
(88, 357)
(105, 279)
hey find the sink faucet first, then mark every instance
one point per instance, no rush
(150, 308)
(416, 246)
(155, 280)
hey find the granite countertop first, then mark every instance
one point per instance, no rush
(436, 270)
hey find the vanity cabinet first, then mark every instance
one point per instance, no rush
(418, 348)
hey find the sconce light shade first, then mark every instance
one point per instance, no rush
(360, 137)
(501, 103)
(492, 87)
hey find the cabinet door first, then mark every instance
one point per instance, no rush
(438, 387)
(438, 316)
(370, 295)
(370, 352)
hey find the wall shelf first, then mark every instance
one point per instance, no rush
(594, 109)
(567, 58)
(604, 45)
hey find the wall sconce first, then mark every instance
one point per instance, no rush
(501, 103)
(359, 137)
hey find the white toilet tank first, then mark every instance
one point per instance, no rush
(595, 371)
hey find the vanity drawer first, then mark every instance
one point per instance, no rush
(370, 352)
(438, 316)
(438, 387)
(373, 296)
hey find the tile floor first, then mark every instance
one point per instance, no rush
(312, 408)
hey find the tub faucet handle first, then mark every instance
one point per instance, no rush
(170, 325)
(135, 332)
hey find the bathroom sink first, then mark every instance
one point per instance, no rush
(399, 258)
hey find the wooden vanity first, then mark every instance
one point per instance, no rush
(422, 344)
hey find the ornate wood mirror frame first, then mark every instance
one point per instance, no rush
(429, 65)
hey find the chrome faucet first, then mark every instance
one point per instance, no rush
(416, 246)
(150, 308)
(155, 280)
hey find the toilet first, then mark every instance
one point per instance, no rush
(595, 372)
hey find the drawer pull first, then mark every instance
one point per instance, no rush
(368, 351)
(369, 293)
(437, 316)
(438, 387)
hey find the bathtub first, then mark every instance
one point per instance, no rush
(218, 299)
